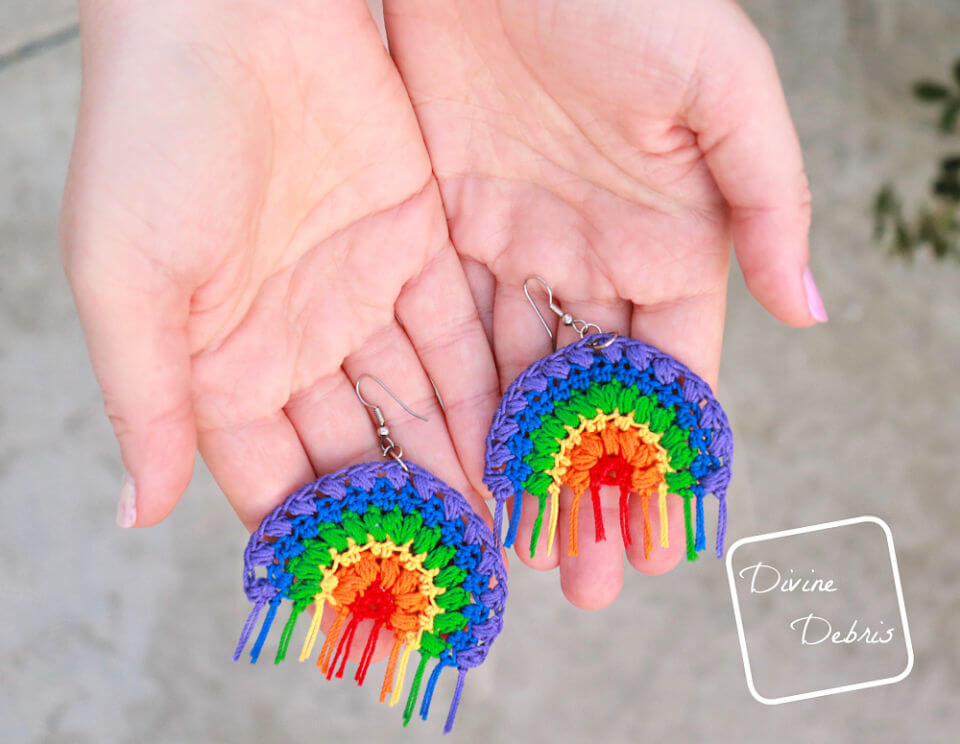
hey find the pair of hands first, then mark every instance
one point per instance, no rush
(264, 204)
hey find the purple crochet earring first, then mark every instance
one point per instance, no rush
(608, 411)
(387, 542)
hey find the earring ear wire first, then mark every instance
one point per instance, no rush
(580, 326)
(388, 447)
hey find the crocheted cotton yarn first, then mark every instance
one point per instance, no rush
(609, 410)
(375, 542)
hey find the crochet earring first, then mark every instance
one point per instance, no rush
(608, 411)
(387, 542)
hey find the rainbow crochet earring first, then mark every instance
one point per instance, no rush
(387, 542)
(608, 411)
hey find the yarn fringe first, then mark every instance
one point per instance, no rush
(394, 675)
(693, 518)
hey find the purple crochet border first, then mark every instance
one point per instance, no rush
(583, 353)
(301, 502)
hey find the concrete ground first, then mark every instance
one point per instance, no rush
(111, 636)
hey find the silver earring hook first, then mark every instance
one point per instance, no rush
(435, 390)
(373, 406)
(554, 307)
(580, 326)
(388, 447)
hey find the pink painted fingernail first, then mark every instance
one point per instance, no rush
(127, 504)
(814, 301)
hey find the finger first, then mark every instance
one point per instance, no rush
(690, 330)
(261, 463)
(662, 559)
(134, 318)
(612, 316)
(257, 464)
(744, 128)
(441, 321)
(593, 577)
(519, 338)
(537, 557)
(337, 431)
(389, 356)
(333, 425)
(482, 286)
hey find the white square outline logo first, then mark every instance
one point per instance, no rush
(831, 690)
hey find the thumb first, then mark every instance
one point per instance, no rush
(746, 133)
(134, 318)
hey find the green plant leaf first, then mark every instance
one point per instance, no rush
(950, 164)
(934, 227)
(941, 246)
(926, 226)
(950, 115)
(886, 210)
(930, 90)
(904, 241)
(885, 200)
(948, 188)
(882, 205)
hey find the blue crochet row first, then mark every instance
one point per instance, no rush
(384, 496)
(579, 378)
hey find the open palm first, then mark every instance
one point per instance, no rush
(616, 149)
(250, 224)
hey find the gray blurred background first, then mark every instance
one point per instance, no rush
(113, 636)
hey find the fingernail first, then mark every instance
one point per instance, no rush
(127, 504)
(814, 301)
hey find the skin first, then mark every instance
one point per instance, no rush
(292, 222)
(249, 218)
(617, 149)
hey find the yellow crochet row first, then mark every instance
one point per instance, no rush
(381, 549)
(623, 422)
